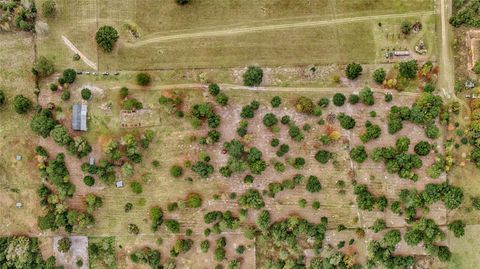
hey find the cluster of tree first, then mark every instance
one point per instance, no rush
(366, 200)
(380, 253)
(408, 69)
(93, 202)
(253, 76)
(172, 105)
(181, 246)
(43, 67)
(77, 146)
(429, 232)
(251, 199)
(222, 221)
(68, 76)
(397, 160)
(204, 112)
(240, 159)
(102, 251)
(146, 256)
(23, 252)
(372, 131)
(289, 184)
(21, 14)
(465, 12)
(366, 96)
(474, 131)
(106, 38)
(220, 97)
(43, 123)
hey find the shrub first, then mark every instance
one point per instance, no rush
(176, 171)
(49, 9)
(366, 96)
(194, 200)
(253, 76)
(353, 71)
(136, 187)
(388, 97)
(432, 131)
(252, 199)
(406, 27)
(21, 104)
(172, 225)
(358, 154)
(276, 101)
(339, 99)
(274, 142)
(64, 244)
(408, 69)
(143, 79)
(89, 181)
(131, 104)
(346, 121)
(69, 75)
(353, 99)
(429, 87)
(295, 133)
(123, 92)
(323, 103)
(53, 87)
(285, 119)
(182, 2)
(43, 67)
(213, 89)
(65, 95)
(422, 148)
(378, 225)
(476, 67)
(2, 98)
(379, 75)
(86, 94)
(204, 246)
(313, 184)
(269, 119)
(322, 156)
(457, 227)
(106, 38)
(203, 169)
(304, 105)
(316, 205)
(372, 131)
(222, 99)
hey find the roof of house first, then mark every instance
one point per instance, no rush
(79, 117)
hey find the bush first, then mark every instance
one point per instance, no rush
(136, 187)
(346, 121)
(270, 119)
(131, 104)
(21, 104)
(65, 95)
(323, 156)
(476, 67)
(42, 123)
(69, 75)
(64, 244)
(378, 225)
(194, 200)
(366, 96)
(213, 89)
(89, 181)
(372, 131)
(379, 75)
(353, 71)
(176, 171)
(106, 38)
(143, 79)
(222, 99)
(339, 99)
(429, 87)
(172, 225)
(323, 103)
(313, 184)
(457, 227)
(49, 9)
(422, 148)
(182, 2)
(358, 154)
(252, 199)
(432, 131)
(253, 76)
(408, 69)
(43, 67)
(406, 27)
(353, 99)
(2, 98)
(388, 97)
(53, 87)
(304, 105)
(276, 101)
(86, 94)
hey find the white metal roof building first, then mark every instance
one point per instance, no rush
(79, 117)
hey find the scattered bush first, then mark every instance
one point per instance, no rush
(143, 79)
(64, 244)
(276, 101)
(106, 38)
(358, 154)
(253, 76)
(86, 94)
(339, 99)
(379, 75)
(21, 104)
(136, 187)
(353, 71)
(313, 184)
(322, 156)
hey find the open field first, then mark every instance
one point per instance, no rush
(276, 34)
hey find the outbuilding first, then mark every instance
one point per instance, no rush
(79, 117)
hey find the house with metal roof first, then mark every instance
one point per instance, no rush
(79, 117)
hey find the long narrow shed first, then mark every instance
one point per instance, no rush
(79, 117)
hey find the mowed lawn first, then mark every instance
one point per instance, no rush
(288, 46)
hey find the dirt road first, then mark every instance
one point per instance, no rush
(77, 51)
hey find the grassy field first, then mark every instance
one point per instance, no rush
(16, 177)
(211, 40)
